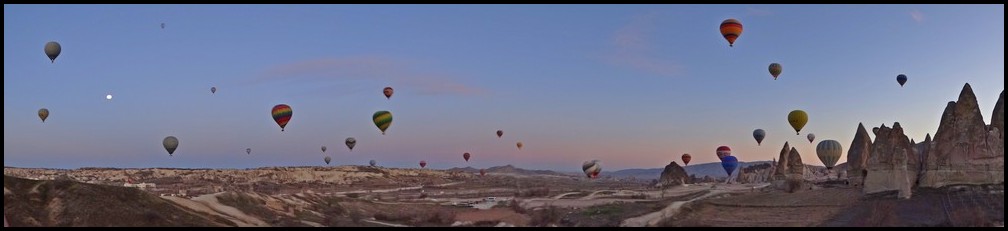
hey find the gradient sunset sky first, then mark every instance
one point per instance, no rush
(634, 86)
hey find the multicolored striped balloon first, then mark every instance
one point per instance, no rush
(282, 114)
(829, 152)
(592, 168)
(382, 119)
(731, 29)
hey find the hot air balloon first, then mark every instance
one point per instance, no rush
(759, 134)
(592, 168)
(423, 164)
(482, 172)
(686, 158)
(248, 151)
(351, 142)
(373, 163)
(811, 137)
(382, 119)
(162, 25)
(829, 152)
(731, 29)
(775, 70)
(797, 119)
(282, 114)
(388, 92)
(729, 163)
(170, 143)
(43, 114)
(465, 156)
(327, 159)
(901, 79)
(213, 90)
(324, 148)
(723, 152)
(500, 133)
(53, 49)
(520, 145)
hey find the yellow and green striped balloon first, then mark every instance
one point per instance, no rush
(382, 119)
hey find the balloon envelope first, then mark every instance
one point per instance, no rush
(351, 142)
(729, 163)
(731, 29)
(759, 134)
(382, 119)
(282, 115)
(170, 143)
(213, 90)
(775, 69)
(373, 163)
(686, 158)
(327, 159)
(829, 152)
(53, 49)
(43, 114)
(723, 152)
(248, 151)
(423, 164)
(324, 148)
(500, 133)
(797, 119)
(592, 168)
(482, 172)
(811, 137)
(520, 145)
(465, 156)
(388, 92)
(901, 79)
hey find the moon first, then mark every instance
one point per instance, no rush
(108, 97)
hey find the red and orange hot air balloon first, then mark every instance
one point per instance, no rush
(723, 151)
(731, 29)
(686, 158)
(282, 114)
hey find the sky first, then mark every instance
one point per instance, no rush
(634, 86)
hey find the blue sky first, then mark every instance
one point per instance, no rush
(635, 86)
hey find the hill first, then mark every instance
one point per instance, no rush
(66, 203)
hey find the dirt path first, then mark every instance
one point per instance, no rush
(393, 189)
(383, 223)
(209, 204)
(652, 219)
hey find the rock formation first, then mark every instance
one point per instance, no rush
(780, 170)
(966, 150)
(857, 156)
(997, 118)
(758, 173)
(888, 162)
(921, 151)
(673, 175)
(794, 164)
